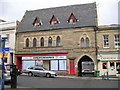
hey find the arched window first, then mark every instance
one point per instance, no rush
(42, 41)
(82, 42)
(27, 42)
(34, 42)
(49, 41)
(87, 42)
(58, 41)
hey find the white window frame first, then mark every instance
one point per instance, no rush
(117, 39)
(104, 40)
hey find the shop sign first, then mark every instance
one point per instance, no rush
(43, 57)
(114, 57)
(48, 57)
(5, 55)
(27, 58)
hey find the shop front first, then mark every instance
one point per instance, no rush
(109, 63)
(51, 61)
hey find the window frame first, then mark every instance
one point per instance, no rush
(27, 42)
(118, 40)
(106, 40)
(34, 42)
(58, 40)
(58, 65)
(42, 42)
(49, 41)
(87, 42)
(82, 41)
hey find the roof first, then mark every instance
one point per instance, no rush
(85, 13)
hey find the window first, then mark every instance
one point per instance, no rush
(42, 41)
(58, 41)
(112, 65)
(27, 42)
(87, 42)
(117, 40)
(54, 65)
(82, 42)
(54, 20)
(34, 42)
(118, 67)
(36, 22)
(104, 65)
(105, 41)
(58, 65)
(49, 41)
(72, 19)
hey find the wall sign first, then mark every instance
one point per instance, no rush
(43, 57)
(110, 57)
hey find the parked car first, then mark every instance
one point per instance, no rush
(7, 76)
(39, 71)
(87, 71)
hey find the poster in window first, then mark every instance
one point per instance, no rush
(62, 64)
(54, 64)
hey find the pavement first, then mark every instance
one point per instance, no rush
(85, 77)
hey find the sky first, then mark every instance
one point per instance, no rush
(12, 10)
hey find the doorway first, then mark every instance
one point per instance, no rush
(85, 63)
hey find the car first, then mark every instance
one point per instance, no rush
(7, 77)
(87, 71)
(39, 71)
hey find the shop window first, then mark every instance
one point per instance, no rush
(27, 42)
(117, 40)
(58, 41)
(42, 41)
(87, 42)
(104, 65)
(112, 65)
(50, 41)
(105, 41)
(82, 42)
(54, 65)
(118, 67)
(58, 65)
(72, 19)
(34, 42)
(54, 20)
(62, 65)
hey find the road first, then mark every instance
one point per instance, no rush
(42, 82)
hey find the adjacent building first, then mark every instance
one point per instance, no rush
(108, 49)
(8, 29)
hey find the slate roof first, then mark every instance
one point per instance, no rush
(85, 13)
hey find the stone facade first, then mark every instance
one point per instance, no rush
(110, 54)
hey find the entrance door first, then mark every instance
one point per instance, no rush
(72, 67)
(85, 66)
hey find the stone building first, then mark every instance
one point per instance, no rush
(8, 29)
(62, 39)
(108, 49)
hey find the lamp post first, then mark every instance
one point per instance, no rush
(3, 46)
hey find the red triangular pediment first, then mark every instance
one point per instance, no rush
(72, 16)
(53, 19)
(36, 21)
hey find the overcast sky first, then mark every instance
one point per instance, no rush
(11, 10)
